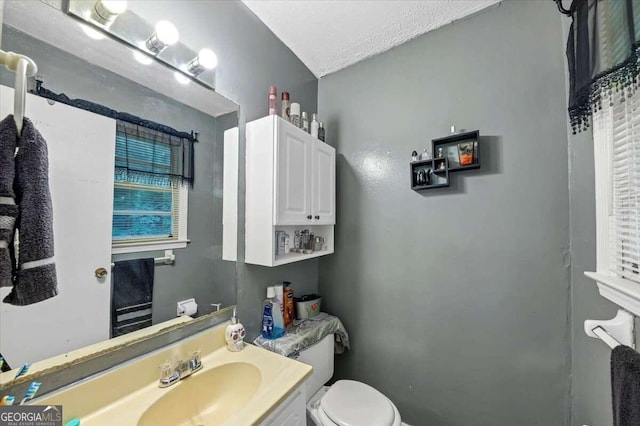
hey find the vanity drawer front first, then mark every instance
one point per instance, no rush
(292, 412)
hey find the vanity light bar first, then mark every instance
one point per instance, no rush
(105, 12)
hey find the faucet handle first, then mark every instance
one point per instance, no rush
(166, 370)
(194, 362)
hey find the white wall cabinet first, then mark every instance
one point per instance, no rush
(291, 412)
(290, 185)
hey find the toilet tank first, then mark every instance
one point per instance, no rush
(320, 357)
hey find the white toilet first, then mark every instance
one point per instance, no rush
(346, 402)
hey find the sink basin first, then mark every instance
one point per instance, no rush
(206, 398)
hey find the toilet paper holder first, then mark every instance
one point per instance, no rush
(187, 307)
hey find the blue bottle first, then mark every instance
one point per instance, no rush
(272, 322)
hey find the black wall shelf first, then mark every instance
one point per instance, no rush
(453, 153)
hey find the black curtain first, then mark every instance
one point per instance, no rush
(147, 156)
(602, 54)
(146, 152)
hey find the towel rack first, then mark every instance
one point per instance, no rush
(606, 337)
(168, 259)
(24, 67)
(614, 332)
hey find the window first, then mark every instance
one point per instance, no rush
(617, 168)
(149, 216)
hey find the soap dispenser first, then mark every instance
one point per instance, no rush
(234, 334)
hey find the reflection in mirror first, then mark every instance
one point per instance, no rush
(160, 40)
(137, 225)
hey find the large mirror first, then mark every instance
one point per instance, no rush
(137, 201)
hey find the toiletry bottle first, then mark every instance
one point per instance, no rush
(294, 111)
(321, 131)
(279, 289)
(296, 240)
(288, 304)
(267, 317)
(276, 314)
(234, 334)
(278, 240)
(285, 105)
(273, 97)
(305, 122)
(282, 239)
(314, 125)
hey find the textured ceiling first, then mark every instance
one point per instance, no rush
(328, 35)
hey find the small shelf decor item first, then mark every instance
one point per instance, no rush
(426, 174)
(453, 153)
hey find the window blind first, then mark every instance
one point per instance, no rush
(147, 211)
(625, 189)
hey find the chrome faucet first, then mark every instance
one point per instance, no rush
(171, 374)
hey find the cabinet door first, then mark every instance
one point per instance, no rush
(293, 175)
(324, 184)
(292, 412)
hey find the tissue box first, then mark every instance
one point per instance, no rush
(307, 306)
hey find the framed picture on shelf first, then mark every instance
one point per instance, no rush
(466, 153)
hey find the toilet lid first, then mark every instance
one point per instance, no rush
(351, 403)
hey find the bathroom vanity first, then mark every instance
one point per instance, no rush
(250, 387)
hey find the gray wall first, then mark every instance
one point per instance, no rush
(250, 59)
(198, 271)
(456, 299)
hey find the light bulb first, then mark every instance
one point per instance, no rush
(106, 11)
(180, 78)
(92, 33)
(142, 58)
(165, 35)
(206, 60)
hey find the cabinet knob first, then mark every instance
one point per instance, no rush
(318, 217)
(309, 217)
(101, 273)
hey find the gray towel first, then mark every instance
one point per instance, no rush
(34, 276)
(131, 295)
(625, 386)
(8, 207)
